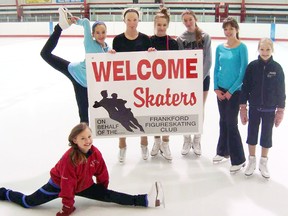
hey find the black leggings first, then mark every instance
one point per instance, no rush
(50, 191)
(62, 66)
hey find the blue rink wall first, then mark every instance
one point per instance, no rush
(248, 31)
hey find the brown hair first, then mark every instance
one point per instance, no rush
(162, 13)
(77, 157)
(232, 22)
(127, 10)
(97, 23)
(198, 31)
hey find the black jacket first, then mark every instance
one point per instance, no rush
(264, 85)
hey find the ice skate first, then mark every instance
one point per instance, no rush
(236, 168)
(122, 155)
(263, 167)
(251, 166)
(219, 158)
(145, 152)
(165, 151)
(155, 197)
(196, 145)
(64, 18)
(156, 147)
(186, 145)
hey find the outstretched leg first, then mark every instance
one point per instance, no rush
(53, 60)
(99, 192)
(45, 194)
(62, 66)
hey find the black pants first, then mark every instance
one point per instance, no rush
(50, 191)
(266, 119)
(230, 142)
(62, 66)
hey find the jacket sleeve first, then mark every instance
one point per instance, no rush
(68, 183)
(216, 68)
(180, 43)
(87, 32)
(207, 56)
(101, 174)
(281, 96)
(246, 87)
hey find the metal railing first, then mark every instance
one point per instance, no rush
(254, 13)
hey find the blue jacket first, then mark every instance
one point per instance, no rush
(264, 85)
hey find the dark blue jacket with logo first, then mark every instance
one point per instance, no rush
(264, 85)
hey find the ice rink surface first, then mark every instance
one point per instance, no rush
(38, 110)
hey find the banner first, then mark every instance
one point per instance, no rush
(145, 93)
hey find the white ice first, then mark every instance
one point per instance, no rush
(38, 110)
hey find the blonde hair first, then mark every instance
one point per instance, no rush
(162, 13)
(198, 31)
(77, 157)
(266, 41)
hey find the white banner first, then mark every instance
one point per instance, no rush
(145, 93)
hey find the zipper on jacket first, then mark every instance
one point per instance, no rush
(262, 86)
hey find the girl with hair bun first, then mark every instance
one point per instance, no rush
(162, 41)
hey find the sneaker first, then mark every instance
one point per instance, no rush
(196, 145)
(156, 147)
(251, 166)
(186, 145)
(3, 193)
(219, 158)
(165, 151)
(145, 152)
(236, 168)
(263, 167)
(122, 155)
(64, 18)
(155, 197)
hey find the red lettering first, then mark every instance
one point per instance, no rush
(104, 70)
(141, 74)
(118, 70)
(129, 76)
(147, 99)
(175, 71)
(191, 68)
(172, 69)
(162, 70)
(137, 93)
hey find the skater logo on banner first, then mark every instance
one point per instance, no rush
(145, 93)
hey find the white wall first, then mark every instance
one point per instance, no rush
(247, 30)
